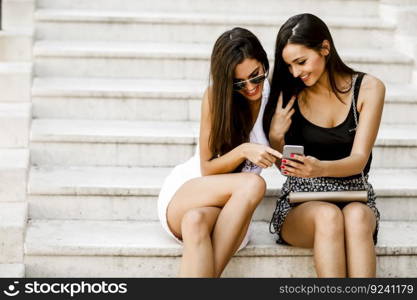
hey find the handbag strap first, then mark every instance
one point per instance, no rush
(356, 83)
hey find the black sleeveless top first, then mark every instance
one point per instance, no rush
(326, 143)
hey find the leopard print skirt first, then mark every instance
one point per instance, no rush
(320, 184)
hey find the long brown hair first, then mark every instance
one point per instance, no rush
(229, 110)
(310, 31)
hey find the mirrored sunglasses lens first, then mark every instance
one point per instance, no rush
(258, 79)
(239, 85)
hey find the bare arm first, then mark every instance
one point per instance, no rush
(277, 143)
(261, 155)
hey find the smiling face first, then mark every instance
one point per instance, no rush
(307, 64)
(248, 69)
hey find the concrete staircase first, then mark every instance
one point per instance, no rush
(115, 104)
(15, 118)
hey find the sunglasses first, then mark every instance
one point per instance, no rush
(240, 85)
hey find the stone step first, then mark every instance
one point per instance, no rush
(14, 164)
(400, 104)
(409, 46)
(149, 143)
(14, 124)
(395, 10)
(117, 99)
(16, 45)
(17, 14)
(111, 193)
(111, 143)
(178, 61)
(12, 270)
(286, 7)
(142, 249)
(15, 82)
(195, 27)
(161, 100)
(13, 218)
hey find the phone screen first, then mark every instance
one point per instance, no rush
(292, 149)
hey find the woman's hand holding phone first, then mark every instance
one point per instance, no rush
(301, 166)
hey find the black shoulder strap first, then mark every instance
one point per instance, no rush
(357, 86)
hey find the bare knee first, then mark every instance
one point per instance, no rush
(194, 226)
(253, 188)
(358, 219)
(329, 221)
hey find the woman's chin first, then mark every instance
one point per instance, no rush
(254, 95)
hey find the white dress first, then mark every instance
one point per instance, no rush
(191, 169)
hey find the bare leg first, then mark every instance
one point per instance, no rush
(234, 219)
(197, 225)
(209, 192)
(318, 225)
(360, 225)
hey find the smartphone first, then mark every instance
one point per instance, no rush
(292, 149)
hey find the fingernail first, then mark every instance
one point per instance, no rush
(282, 167)
(292, 155)
(285, 173)
(284, 161)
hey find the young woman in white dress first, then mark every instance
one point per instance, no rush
(207, 202)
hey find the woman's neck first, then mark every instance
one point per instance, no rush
(323, 85)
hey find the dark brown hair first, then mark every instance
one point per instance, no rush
(229, 110)
(310, 31)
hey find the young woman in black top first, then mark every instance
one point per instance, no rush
(312, 103)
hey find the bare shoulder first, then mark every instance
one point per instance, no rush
(372, 91)
(372, 85)
(206, 103)
(207, 96)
